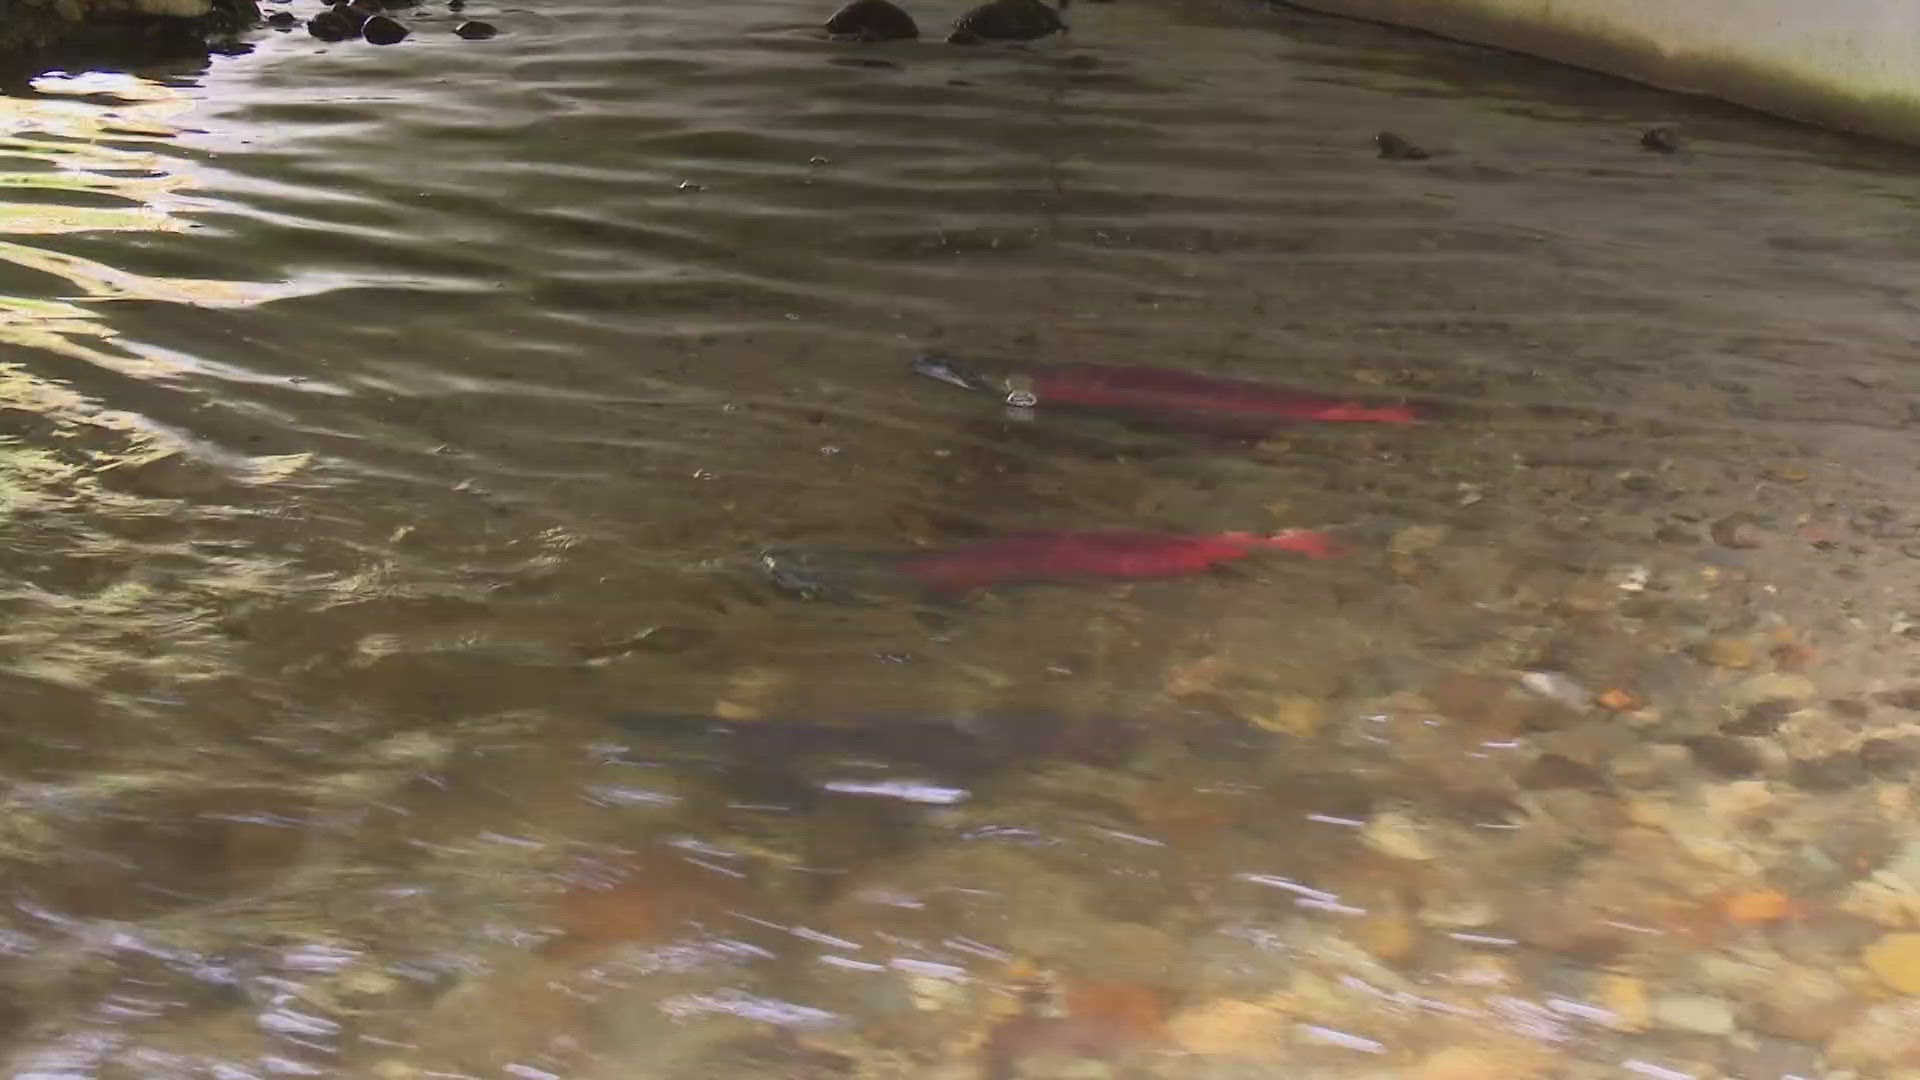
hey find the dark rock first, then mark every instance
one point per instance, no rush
(1891, 759)
(1725, 755)
(1738, 531)
(1006, 20)
(1851, 708)
(333, 25)
(1663, 139)
(381, 30)
(1835, 772)
(1761, 718)
(1554, 771)
(172, 475)
(872, 20)
(1394, 148)
(475, 30)
(1907, 697)
(456, 5)
(1480, 809)
(1859, 846)
(231, 17)
(862, 61)
(283, 20)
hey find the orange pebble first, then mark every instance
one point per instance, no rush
(1128, 1006)
(1619, 701)
(1759, 906)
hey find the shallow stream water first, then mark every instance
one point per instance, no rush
(391, 689)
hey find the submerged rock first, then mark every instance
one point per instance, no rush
(1895, 959)
(1694, 1013)
(150, 28)
(1661, 140)
(1007, 20)
(333, 24)
(1394, 148)
(475, 30)
(283, 20)
(1738, 531)
(381, 30)
(872, 20)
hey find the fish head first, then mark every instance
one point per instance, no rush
(951, 371)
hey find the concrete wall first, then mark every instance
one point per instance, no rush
(1853, 64)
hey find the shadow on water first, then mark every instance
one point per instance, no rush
(388, 437)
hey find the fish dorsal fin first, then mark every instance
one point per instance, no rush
(1020, 392)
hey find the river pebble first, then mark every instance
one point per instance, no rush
(1400, 836)
(1694, 1013)
(1775, 686)
(1895, 960)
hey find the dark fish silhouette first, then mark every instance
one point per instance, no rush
(1160, 393)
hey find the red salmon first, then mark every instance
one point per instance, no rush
(1160, 393)
(1120, 553)
(1144, 389)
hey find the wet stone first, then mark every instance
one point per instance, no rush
(332, 25)
(1661, 140)
(1725, 755)
(1554, 771)
(1859, 845)
(1835, 772)
(1760, 718)
(283, 20)
(1907, 697)
(1884, 1034)
(1400, 836)
(1777, 686)
(1486, 702)
(1395, 148)
(381, 30)
(872, 20)
(1895, 961)
(1648, 765)
(1774, 1057)
(1739, 531)
(1730, 652)
(1694, 1013)
(1007, 20)
(475, 30)
(1230, 1028)
(1891, 759)
(168, 476)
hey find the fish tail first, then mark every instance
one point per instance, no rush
(1314, 545)
(1388, 414)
